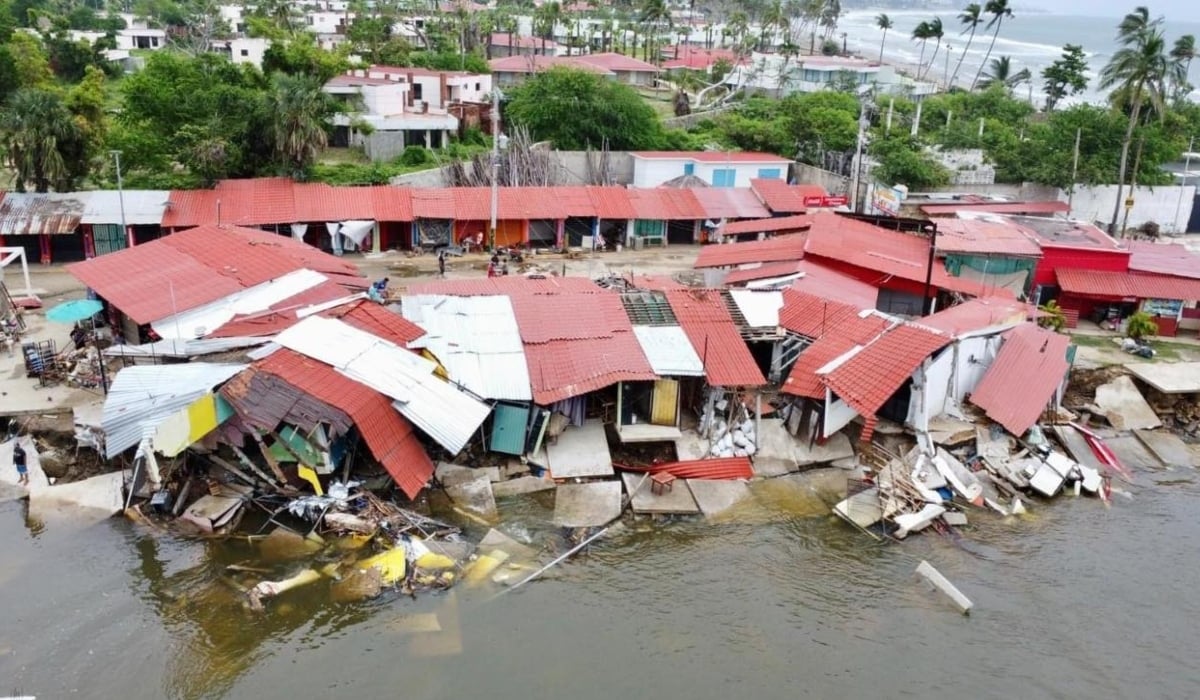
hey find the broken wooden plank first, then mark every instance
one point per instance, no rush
(271, 462)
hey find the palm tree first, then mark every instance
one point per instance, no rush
(299, 113)
(999, 10)
(921, 33)
(1001, 74)
(773, 17)
(737, 26)
(549, 16)
(830, 13)
(653, 15)
(1183, 52)
(44, 145)
(971, 17)
(885, 23)
(935, 32)
(1141, 69)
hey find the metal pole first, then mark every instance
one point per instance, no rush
(495, 164)
(1075, 174)
(946, 71)
(121, 199)
(100, 357)
(927, 302)
(1187, 165)
(858, 156)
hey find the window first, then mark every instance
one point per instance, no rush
(769, 173)
(724, 177)
(815, 76)
(689, 168)
(476, 87)
(416, 91)
(245, 52)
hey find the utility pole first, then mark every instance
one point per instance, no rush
(863, 124)
(495, 165)
(1075, 174)
(1137, 162)
(1187, 166)
(121, 200)
(946, 70)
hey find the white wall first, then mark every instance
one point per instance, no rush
(1159, 204)
(385, 100)
(324, 22)
(838, 414)
(248, 50)
(470, 88)
(948, 378)
(654, 172)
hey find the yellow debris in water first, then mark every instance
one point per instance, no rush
(433, 560)
(391, 564)
(479, 570)
(310, 475)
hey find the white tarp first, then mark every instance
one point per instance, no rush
(202, 320)
(669, 351)
(438, 408)
(357, 231)
(298, 231)
(759, 308)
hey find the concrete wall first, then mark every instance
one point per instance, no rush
(424, 178)
(1162, 205)
(812, 175)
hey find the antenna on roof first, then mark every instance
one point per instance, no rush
(218, 212)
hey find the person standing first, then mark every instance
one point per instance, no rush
(19, 463)
(442, 264)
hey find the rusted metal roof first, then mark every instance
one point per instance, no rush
(780, 248)
(31, 213)
(721, 468)
(1125, 285)
(1022, 380)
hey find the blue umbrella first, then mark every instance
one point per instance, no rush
(74, 311)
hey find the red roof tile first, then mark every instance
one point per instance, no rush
(615, 62)
(1123, 285)
(433, 203)
(977, 314)
(1051, 207)
(611, 203)
(392, 203)
(1164, 259)
(729, 203)
(705, 319)
(778, 224)
(388, 434)
(869, 377)
(280, 316)
(782, 198)
(1022, 380)
(711, 156)
(821, 281)
(993, 235)
(890, 253)
(318, 202)
(780, 248)
(377, 320)
(838, 338)
(185, 270)
(665, 203)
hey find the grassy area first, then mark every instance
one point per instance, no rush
(661, 100)
(1164, 349)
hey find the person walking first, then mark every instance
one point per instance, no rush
(442, 264)
(19, 463)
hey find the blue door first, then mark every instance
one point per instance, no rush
(770, 173)
(689, 168)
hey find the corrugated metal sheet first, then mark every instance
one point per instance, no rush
(476, 339)
(389, 436)
(778, 249)
(782, 198)
(560, 369)
(729, 203)
(1042, 208)
(202, 320)
(187, 208)
(704, 317)
(669, 351)
(721, 468)
(978, 314)
(435, 203)
(1121, 285)
(778, 224)
(1022, 380)
(446, 414)
(256, 201)
(142, 396)
(317, 202)
(142, 207)
(1164, 259)
(377, 320)
(26, 213)
(264, 400)
(611, 203)
(184, 348)
(759, 308)
(992, 235)
(392, 203)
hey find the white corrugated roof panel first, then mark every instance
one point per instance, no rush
(202, 320)
(142, 207)
(142, 396)
(759, 308)
(476, 339)
(438, 408)
(669, 351)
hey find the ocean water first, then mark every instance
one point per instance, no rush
(1033, 41)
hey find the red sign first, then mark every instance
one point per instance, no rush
(825, 202)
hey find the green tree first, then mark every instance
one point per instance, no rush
(1142, 69)
(576, 109)
(1000, 11)
(300, 113)
(1000, 73)
(971, 17)
(9, 79)
(42, 141)
(300, 55)
(654, 15)
(885, 23)
(936, 31)
(1182, 53)
(819, 122)
(29, 60)
(1140, 325)
(903, 160)
(1066, 76)
(922, 33)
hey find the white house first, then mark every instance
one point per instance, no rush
(243, 49)
(127, 39)
(323, 22)
(717, 168)
(397, 117)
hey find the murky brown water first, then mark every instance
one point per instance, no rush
(1075, 600)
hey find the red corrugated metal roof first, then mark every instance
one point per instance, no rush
(659, 283)
(392, 203)
(764, 271)
(1022, 380)
(560, 369)
(838, 338)
(1127, 284)
(780, 248)
(187, 208)
(665, 204)
(616, 62)
(778, 224)
(199, 266)
(433, 203)
(891, 253)
(1051, 207)
(869, 377)
(1060, 233)
(280, 316)
(474, 203)
(729, 203)
(705, 319)
(994, 235)
(812, 315)
(256, 201)
(569, 316)
(611, 203)
(712, 156)
(719, 468)
(782, 198)
(820, 281)
(531, 203)
(1164, 259)
(318, 202)
(391, 438)
(511, 285)
(977, 314)
(574, 200)
(377, 320)
(700, 59)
